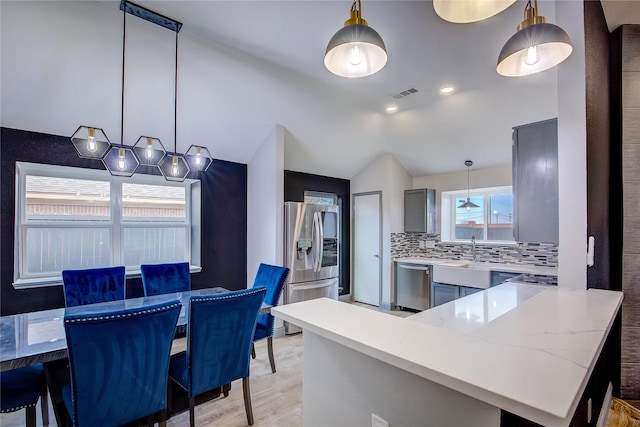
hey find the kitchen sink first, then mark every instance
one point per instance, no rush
(471, 275)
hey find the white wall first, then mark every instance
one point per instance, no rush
(572, 151)
(495, 176)
(387, 175)
(265, 201)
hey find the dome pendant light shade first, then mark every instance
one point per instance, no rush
(465, 11)
(537, 46)
(356, 50)
(468, 204)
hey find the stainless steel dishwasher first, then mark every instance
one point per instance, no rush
(413, 283)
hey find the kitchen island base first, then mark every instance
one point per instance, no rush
(342, 387)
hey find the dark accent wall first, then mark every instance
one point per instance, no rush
(603, 58)
(599, 146)
(224, 220)
(295, 184)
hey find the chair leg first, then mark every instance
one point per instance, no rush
(44, 406)
(225, 389)
(192, 415)
(272, 360)
(31, 416)
(247, 400)
(162, 419)
(253, 351)
(169, 398)
(151, 421)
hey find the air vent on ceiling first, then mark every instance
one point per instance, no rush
(404, 93)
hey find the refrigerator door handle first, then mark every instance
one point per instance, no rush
(315, 241)
(320, 241)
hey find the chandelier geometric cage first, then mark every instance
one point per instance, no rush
(120, 160)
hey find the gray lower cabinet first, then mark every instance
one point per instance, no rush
(499, 277)
(442, 293)
(464, 291)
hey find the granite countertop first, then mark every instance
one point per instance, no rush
(493, 266)
(527, 349)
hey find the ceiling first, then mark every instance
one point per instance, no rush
(337, 126)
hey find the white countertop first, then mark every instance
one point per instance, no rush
(527, 349)
(493, 266)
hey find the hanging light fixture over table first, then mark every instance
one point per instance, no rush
(173, 166)
(468, 204)
(537, 46)
(356, 50)
(120, 159)
(465, 11)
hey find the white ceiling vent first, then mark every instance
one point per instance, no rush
(405, 93)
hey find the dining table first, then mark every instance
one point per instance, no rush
(39, 337)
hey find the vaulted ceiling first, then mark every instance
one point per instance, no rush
(266, 68)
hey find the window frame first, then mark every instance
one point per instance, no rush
(449, 201)
(115, 223)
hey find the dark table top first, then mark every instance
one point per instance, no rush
(39, 337)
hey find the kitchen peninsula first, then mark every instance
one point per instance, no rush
(527, 350)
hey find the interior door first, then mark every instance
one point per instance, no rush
(367, 247)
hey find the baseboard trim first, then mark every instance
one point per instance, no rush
(278, 332)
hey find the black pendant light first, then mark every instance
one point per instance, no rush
(537, 46)
(356, 50)
(120, 159)
(468, 204)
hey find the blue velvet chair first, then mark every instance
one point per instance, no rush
(165, 278)
(21, 388)
(118, 363)
(273, 278)
(92, 285)
(219, 336)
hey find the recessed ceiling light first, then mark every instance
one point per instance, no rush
(391, 108)
(447, 89)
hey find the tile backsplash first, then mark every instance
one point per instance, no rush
(540, 254)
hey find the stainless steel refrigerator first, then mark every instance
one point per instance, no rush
(312, 253)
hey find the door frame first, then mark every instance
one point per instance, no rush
(351, 295)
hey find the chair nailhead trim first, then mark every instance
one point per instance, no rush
(224, 296)
(118, 316)
(17, 408)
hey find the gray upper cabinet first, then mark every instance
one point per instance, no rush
(420, 211)
(535, 182)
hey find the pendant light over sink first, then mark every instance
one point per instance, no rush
(537, 46)
(468, 204)
(356, 50)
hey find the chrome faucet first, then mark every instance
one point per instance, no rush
(473, 248)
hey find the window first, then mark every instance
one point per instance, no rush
(320, 198)
(491, 221)
(72, 218)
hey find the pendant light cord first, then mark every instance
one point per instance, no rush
(175, 103)
(124, 39)
(468, 182)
